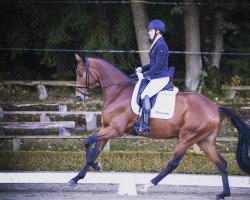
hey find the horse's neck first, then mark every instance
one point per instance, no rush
(114, 83)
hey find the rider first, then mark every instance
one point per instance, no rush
(156, 71)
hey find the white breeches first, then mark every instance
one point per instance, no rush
(155, 86)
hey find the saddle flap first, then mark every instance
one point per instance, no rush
(164, 106)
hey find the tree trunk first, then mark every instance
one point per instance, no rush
(212, 62)
(192, 36)
(217, 37)
(140, 22)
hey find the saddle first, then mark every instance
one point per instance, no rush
(162, 104)
(143, 85)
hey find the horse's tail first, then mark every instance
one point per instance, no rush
(243, 141)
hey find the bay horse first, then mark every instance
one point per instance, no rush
(196, 120)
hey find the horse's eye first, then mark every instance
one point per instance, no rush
(78, 71)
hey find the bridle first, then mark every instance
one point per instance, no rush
(88, 73)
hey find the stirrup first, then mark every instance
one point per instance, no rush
(145, 128)
(137, 125)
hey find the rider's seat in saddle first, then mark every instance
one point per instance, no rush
(146, 81)
(143, 85)
(146, 104)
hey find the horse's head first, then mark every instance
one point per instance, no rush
(85, 78)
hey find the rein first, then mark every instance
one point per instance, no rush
(88, 73)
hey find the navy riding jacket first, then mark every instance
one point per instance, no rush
(158, 66)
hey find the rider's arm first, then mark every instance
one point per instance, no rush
(161, 54)
(145, 67)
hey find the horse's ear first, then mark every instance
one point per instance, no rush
(78, 58)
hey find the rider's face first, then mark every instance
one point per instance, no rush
(151, 33)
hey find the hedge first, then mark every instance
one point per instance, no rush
(193, 162)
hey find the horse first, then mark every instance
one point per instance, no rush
(196, 120)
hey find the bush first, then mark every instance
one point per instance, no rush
(193, 162)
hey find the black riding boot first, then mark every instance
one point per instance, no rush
(138, 123)
(146, 109)
(143, 118)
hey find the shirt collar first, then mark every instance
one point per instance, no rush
(155, 40)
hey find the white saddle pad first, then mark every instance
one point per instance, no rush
(164, 105)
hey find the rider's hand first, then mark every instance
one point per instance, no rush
(140, 75)
(138, 70)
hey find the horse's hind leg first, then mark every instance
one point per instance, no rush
(91, 155)
(210, 150)
(173, 162)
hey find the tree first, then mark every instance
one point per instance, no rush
(140, 22)
(63, 26)
(192, 42)
(217, 36)
(212, 30)
(237, 39)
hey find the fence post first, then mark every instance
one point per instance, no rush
(44, 118)
(16, 144)
(196, 147)
(1, 118)
(107, 146)
(91, 121)
(62, 131)
(62, 108)
(42, 92)
(1, 113)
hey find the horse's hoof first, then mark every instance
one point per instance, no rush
(222, 195)
(144, 188)
(72, 183)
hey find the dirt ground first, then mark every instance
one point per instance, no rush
(109, 191)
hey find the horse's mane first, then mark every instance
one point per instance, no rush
(111, 65)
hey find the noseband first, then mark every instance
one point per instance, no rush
(88, 73)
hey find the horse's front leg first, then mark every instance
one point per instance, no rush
(100, 139)
(91, 154)
(80, 175)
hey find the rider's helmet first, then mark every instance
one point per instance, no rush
(157, 24)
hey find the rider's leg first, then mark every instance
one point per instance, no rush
(146, 114)
(154, 86)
